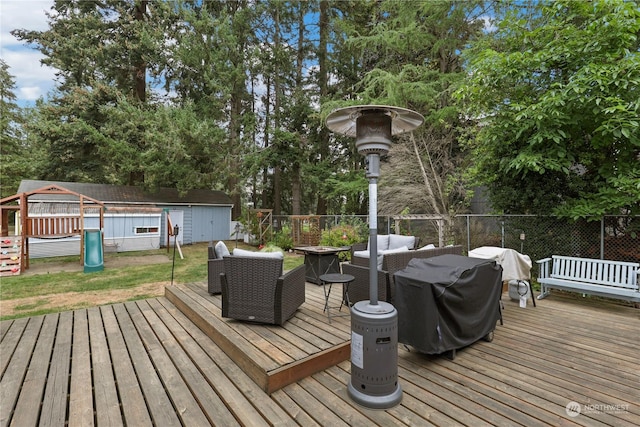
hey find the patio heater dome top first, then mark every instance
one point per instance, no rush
(344, 120)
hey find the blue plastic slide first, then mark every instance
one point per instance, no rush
(93, 256)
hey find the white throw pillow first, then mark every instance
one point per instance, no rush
(429, 246)
(252, 254)
(397, 241)
(221, 250)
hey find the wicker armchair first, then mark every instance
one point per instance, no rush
(391, 263)
(214, 268)
(255, 290)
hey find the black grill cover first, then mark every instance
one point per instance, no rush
(447, 302)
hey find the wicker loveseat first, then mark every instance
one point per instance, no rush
(391, 262)
(256, 290)
(387, 244)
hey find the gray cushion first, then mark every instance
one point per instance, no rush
(397, 241)
(383, 242)
(361, 254)
(221, 250)
(245, 253)
(389, 251)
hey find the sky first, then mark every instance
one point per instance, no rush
(32, 80)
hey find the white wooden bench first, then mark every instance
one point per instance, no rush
(611, 279)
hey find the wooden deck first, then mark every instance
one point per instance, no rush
(147, 363)
(273, 356)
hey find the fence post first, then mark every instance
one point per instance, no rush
(602, 238)
(468, 235)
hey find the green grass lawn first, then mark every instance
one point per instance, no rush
(193, 268)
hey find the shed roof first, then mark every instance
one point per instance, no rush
(128, 195)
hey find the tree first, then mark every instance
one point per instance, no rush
(410, 58)
(101, 51)
(212, 47)
(14, 162)
(556, 94)
(336, 172)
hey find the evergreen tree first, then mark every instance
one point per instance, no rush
(100, 51)
(410, 57)
(208, 65)
(15, 163)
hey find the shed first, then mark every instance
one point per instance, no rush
(135, 219)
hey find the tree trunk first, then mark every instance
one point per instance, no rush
(321, 208)
(277, 170)
(234, 158)
(264, 196)
(140, 69)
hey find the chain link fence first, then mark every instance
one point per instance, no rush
(612, 237)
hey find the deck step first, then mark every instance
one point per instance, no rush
(273, 356)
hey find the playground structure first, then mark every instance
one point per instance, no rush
(57, 226)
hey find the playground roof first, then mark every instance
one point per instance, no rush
(123, 194)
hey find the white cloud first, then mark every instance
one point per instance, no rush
(32, 79)
(489, 25)
(29, 93)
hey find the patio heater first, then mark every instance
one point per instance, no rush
(374, 324)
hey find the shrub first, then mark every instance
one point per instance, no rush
(282, 238)
(270, 247)
(341, 235)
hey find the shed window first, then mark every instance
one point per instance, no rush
(146, 230)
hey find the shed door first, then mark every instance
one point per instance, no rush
(177, 218)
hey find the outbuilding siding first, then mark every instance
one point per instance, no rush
(206, 213)
(210, 224)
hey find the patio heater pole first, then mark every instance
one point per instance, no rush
(374, 324)
(373, 172)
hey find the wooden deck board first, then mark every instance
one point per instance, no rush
(10, 339)
(232, 343)
(6, 326)
(54, 402)
(80, 392)
(107, 407)
(230, 381)
(198, 387)
(13, 377)
(36, 375)
(147, 362)
(134, 408)
(158, 402)
(184, 401)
